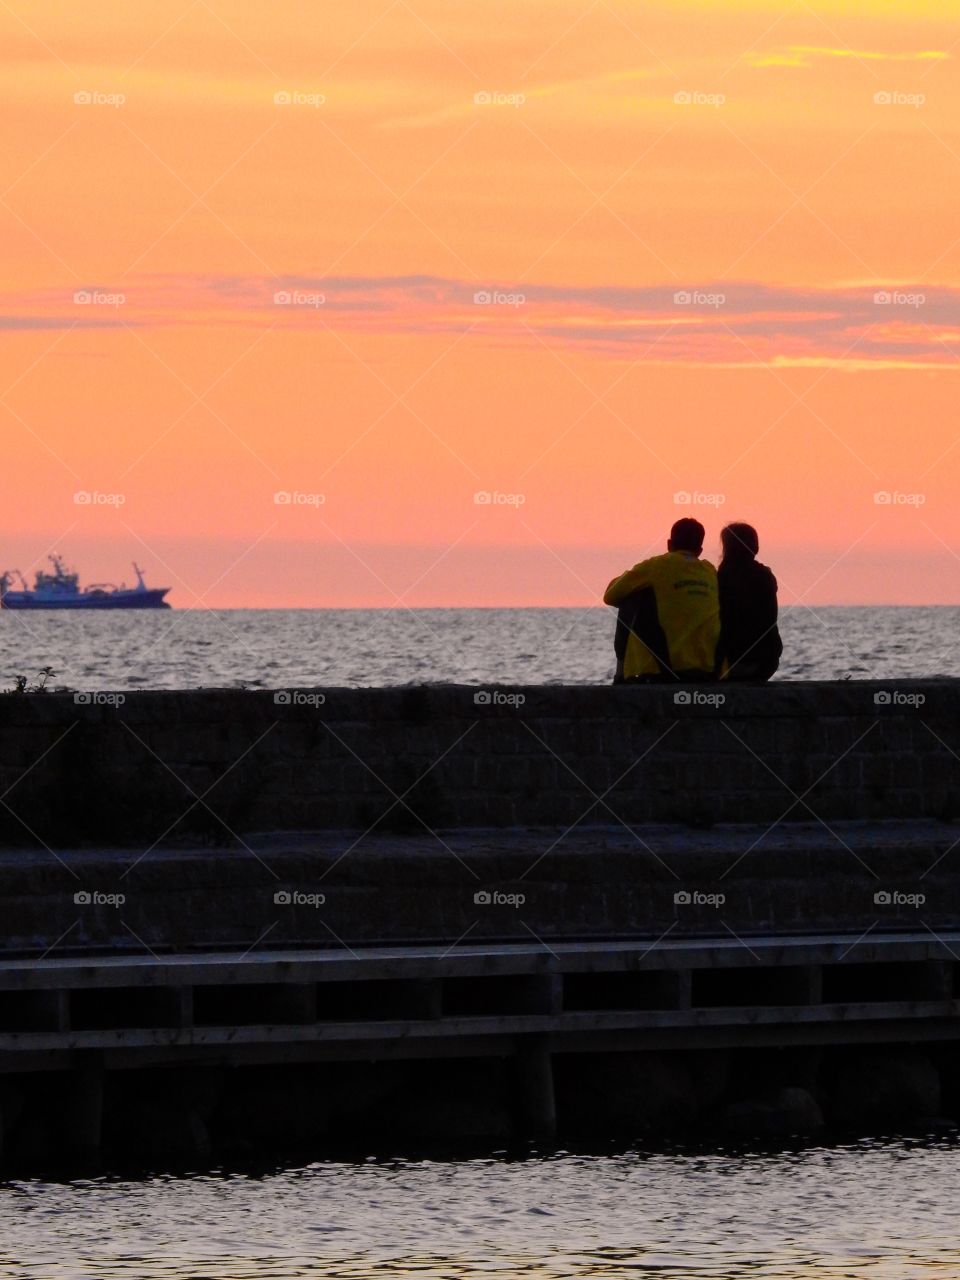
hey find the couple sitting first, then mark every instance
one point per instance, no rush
(681, 619)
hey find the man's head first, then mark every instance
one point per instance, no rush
(687, 535)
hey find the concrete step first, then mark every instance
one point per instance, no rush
(539, 885)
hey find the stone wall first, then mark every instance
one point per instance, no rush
(129, 766)
(152, 823)
(798, 803)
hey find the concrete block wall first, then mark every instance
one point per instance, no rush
(399, 805)
(123, 767)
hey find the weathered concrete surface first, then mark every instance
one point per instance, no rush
(213, 764)
(291, 835)
(798, 802)
(329, 889)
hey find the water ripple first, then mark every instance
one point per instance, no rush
(871, 1211)
(299, 647)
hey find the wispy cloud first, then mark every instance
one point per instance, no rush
(27, 323)
(874, 323)
(805, 55)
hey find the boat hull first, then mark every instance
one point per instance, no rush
(146, 599)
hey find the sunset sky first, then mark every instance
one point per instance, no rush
(246, 250)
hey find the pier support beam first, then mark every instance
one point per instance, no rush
(82, 1114)
(536, 1104)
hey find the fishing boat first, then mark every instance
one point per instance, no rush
(60, 589)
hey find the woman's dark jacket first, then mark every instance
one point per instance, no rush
(750, 644)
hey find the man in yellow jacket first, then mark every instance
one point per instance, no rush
(668, 624)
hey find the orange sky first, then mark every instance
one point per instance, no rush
(242, 249)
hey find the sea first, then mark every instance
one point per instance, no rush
(879, 1210)
(284, 648)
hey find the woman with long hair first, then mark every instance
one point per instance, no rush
(750, 644)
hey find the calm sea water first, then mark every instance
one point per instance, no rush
(866, 1212)
(275, 648)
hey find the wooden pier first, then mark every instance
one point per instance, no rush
(584, 895)
(524, 1002)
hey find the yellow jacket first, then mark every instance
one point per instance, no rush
(674, 620)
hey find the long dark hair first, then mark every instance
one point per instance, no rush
(739, 543)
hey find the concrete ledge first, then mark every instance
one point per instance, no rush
(214, 765)
(548, 885)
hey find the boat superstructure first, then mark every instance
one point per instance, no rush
(59, 588)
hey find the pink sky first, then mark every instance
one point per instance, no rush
(579, 257)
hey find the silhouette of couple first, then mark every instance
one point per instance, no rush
(679, 618)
